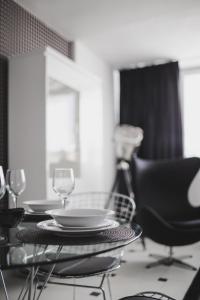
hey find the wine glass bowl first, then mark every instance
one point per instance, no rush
(63, 183)
(2, 183)
(2, 192)
(15, 183)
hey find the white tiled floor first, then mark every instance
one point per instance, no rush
(131, 278)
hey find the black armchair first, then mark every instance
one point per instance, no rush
(163, 209)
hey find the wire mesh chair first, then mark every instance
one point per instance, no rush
(122, 205)
(148, 296)
(104, 264)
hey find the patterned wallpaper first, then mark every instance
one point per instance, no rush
(3, 110)
(21, 32)
(3, 118)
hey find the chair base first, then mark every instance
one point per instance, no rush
(171, 260)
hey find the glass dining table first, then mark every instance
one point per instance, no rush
(28, 248)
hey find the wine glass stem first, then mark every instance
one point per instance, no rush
(64, 202)
(15, 201)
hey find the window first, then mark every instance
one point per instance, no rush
(191, 112)
(63, 127)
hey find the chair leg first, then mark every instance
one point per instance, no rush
(101, 286)
(155, 264)
(171, 260)
(4, 285)
(103, 293)
(143, 242)
(109, 286)
(74, 289)
(185, 256)
(184, 265)
(157, 256)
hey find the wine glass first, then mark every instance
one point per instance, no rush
(2, 192)
(15, 183)
(2, 183)
(63, 183)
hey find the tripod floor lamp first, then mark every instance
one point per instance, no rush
(127, 138)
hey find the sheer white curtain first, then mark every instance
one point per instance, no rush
(191, 112)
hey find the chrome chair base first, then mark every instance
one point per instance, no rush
(171, 260)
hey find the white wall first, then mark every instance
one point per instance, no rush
(93, 78)
(90, 88)
(27, 122)
(95, 65)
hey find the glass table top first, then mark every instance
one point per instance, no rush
(27, 246)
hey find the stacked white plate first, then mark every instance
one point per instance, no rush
(78, 221)
(38, 207)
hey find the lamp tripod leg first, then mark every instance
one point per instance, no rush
(116, 181)
(128, 181)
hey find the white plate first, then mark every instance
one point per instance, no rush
(31, 212)
(106, 223)
(87, 217)
(40, 206)
(52, 226)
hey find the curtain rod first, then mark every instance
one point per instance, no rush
(185, 63)
(144, 64)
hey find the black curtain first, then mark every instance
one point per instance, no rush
(149, 98)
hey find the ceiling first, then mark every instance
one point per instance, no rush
(127, 32)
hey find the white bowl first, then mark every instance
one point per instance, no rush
(43, 205)
(80, 217)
